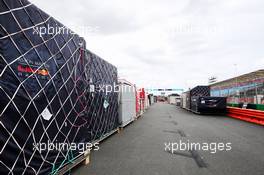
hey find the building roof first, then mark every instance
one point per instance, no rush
(174, 95)
(249, 77)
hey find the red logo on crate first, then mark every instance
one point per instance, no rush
(28, 69)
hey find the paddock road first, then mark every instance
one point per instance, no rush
(144, 147)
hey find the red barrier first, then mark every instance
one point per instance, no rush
(253, 116)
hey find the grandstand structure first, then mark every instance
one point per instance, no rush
(246, 88)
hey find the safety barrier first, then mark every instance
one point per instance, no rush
(249, 106)
(250, 115)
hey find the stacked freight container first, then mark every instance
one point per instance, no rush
(198, 91)
(102, 97)
(198, 100)
(52, 90)
(208, 105)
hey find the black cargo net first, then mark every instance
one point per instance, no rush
(45, 92)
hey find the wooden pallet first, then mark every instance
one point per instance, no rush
(106, 136)
(195, 112)
(82, 159)
(139, 115)
(121, 128)
(128, 123)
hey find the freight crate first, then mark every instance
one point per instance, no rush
(197, 91)
(183, 100)
(188, 100)
(141, 98)
(200, 91)
(151, 99)
(147, 101)
(46, 83)
(209, 105)
(174, 99)
(127, 102)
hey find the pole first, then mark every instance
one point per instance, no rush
(237, 90)
(256, 90)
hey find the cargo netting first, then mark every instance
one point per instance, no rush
(45, 91)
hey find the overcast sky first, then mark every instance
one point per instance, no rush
(165, 43)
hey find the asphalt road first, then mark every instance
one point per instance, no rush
(140, 149)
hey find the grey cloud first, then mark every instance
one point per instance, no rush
(148, 42)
